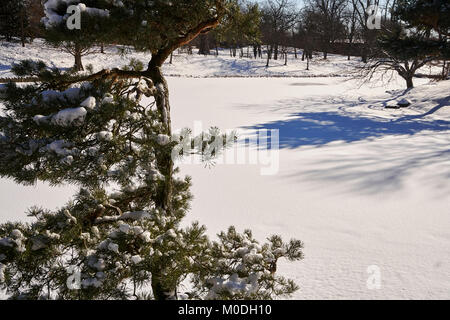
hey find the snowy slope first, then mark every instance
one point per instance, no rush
(361, 185)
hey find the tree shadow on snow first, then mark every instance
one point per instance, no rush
(317, 128)
(373, 167)
(382, 169)
(4, 67)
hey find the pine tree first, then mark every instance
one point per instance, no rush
(240, 26)
(404, 52)
(417, 35)
(61, 29)
(113, 129)
(13, 20)
(432, 17)
(20, 18)
(426, 14)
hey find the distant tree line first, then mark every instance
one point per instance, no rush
(20, 19)
(392, 35)
(275, 29)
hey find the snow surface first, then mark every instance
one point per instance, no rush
(360, 184)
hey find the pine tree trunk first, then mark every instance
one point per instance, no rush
(160, 292)
(162, 289)
(22, 27)
(204, 45)
(78, 66)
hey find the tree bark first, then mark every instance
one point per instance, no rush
(364, 54)
(162, 289)
(22, 27)
(269, 54)
(78, 63)
(409, 82)
(204, 48)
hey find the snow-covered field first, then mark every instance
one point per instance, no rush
(183, 65)
(361, 185)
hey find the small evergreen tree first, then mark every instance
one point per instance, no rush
(112, 130)
(417, 35)
(94, 26)
(13, 19)
(240, 26)
(432, 17)
(402, 52)
(426, 14)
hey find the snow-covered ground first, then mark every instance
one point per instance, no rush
(361, 185)
(183, 65)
